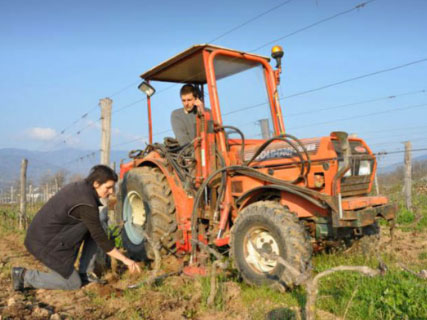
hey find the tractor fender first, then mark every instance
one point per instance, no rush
(182, 201)
(301, 204)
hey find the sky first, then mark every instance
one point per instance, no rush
(362, 71)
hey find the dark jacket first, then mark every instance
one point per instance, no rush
(54, 236)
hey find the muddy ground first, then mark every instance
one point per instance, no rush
(177, 297)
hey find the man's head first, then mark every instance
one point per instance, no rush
(103, 179)
(188, 97)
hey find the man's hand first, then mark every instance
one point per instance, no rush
(200, 105)
(132, 266)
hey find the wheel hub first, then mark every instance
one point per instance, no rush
(135, 216)
(137, 209)
(260, 241)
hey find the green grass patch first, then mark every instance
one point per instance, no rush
(405, 216)
(422, 224)
(396, 295)
(132, 295)
(410, 220)
(324, 261)
(219, 302)
(264, 300)
(9, 217)
(184, 290)
(423, 255)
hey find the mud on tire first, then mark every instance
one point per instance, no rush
(271, 227)
(146, 203)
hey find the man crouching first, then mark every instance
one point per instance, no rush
(68, 219)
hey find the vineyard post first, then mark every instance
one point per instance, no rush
(23, 198)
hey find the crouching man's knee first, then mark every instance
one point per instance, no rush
(74, 282)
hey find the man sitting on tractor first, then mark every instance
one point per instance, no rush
(184, 119)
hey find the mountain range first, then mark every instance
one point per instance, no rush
(42, 163)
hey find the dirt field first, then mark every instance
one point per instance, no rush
(177, 297)
(111, 301)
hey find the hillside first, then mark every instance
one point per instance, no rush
(49, 162)
(392, 167)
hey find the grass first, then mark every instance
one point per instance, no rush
(9, 215)
(415, 219)
(396, 295)
(219, 302)
(262, 300)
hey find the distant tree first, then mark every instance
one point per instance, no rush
(419, 169)
(75, 177)
(59, 177)
(46, 178)
(391, 179)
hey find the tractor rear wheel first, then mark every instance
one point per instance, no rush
(147, 204)
(267, 227)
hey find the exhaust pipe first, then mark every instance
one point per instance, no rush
(346, 153)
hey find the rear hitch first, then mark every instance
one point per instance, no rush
(358, 231)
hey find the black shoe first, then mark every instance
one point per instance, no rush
(18, 278)
(90, 278)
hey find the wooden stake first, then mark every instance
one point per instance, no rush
(377, 187)
(408, 175)
(23, 200)
(105, 105)
(12, 194)
(30, 192)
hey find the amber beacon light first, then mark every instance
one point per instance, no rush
(277, 54)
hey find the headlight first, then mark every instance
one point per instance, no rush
(365, 168)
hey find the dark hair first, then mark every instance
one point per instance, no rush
(189, 88)
(101, 174)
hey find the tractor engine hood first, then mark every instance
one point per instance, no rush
(326, 159)
(282, 150)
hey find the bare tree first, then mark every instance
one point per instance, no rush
(75, 177)
(60, 176)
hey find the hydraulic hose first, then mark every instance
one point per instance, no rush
(298, 141)
(279, 138)
(283, 138)
(223, 180)
(242, 149)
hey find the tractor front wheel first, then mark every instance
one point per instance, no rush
(264, 231)
(147, 204)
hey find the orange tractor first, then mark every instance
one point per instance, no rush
(281, 196)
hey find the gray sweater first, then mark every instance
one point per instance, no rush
(184, 125)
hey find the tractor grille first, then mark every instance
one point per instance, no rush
(355, 185)
(356, 182)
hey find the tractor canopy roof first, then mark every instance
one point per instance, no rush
(188, 66)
